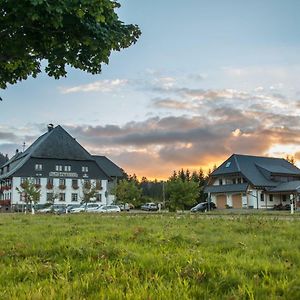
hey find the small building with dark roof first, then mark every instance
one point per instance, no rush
(245, 181)
(58, 165)
(112, 170)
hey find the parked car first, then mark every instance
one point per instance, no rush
(282, 207)
(71, 206)
(78, 209)
(124, 206)
(46, 210)
(203, 207)
(54, 208)
(86, 207)
(92, 207)
(149, 207)
(108, 208)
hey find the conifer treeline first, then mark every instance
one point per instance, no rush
(153, 190)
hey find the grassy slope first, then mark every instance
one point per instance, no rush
(149, 257)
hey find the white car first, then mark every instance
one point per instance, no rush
(92, 207)
(87, 207)
(54, 208)
(108, 208)
(124, 206)
(79, 209)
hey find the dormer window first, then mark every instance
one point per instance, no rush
(38, 167)
(220, 181)
(58, 168)
(228, 164)
(67, 168)
(85, 169)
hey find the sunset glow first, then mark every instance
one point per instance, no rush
(187, 95)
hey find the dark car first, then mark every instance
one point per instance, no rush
(203, 207)
(282, 207)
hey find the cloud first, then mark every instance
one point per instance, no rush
(7, 136)
(191, 126)
(181, 141)
(97, 86)
(171, 104)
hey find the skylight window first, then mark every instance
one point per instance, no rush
(228, 164)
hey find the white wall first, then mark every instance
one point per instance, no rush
(67, 191)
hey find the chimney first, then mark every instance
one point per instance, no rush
(50, 127)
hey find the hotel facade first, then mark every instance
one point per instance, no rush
(60, 168)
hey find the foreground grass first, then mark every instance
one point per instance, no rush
(149, 257)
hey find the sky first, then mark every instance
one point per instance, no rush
(206, 79)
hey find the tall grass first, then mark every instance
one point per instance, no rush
(149, 257)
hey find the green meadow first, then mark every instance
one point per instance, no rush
(149, 256)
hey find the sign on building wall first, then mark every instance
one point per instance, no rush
(62, 174)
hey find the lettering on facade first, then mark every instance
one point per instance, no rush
(62, 174)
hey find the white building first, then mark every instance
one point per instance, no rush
(244, 181)
(61, 168)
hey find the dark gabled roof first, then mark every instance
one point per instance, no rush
(58, 144)
(14, 158)
(110, 168)
(277, 169)
(3, 159)
(229, 166)
(241, 187)
(291, 186)
(254, 167)
(54, 144)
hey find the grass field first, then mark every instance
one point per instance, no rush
(153, 256)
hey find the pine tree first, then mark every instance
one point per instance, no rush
(188, 175)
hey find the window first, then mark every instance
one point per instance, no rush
(37, 181)
(99, 197)
(67, 168)
(283, 198)
(74, 197)
(85, 169)
(62, 181)
(50, 197)
(239, 180)
(262, 198)
(74, 183)
(62, 197)
(220, 181)
(228, 164)
(50, 181)
(38, 167)
(58, 168)
(23, 179)
(98, 184)
(271, 198)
